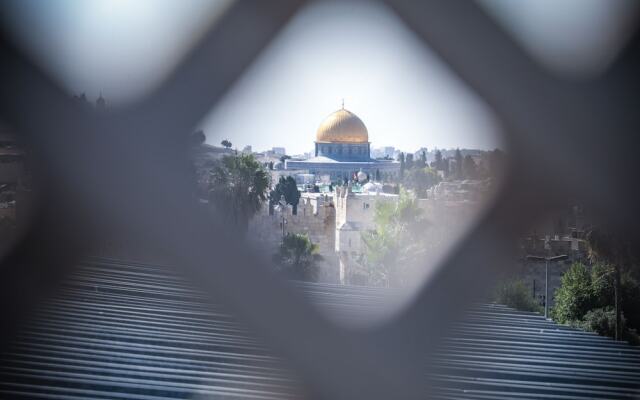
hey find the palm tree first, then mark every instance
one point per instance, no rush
(238, 188)
(397, 243)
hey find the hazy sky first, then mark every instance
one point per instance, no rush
(121, 48)
(332, 50)
(360, 52)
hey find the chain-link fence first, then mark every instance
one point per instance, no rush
(126, 173)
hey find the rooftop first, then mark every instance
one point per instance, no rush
(136, 331)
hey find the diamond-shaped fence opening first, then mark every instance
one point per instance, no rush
(121, 172)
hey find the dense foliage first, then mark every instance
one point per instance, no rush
(298, 257)
(601, 320)
(575, 296)
(586, 299)
(514, 293)
(396, 244)
(237, 188)
(614, 249)
(420, 179)
(287, 188)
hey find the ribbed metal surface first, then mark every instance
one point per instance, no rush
(132, 331)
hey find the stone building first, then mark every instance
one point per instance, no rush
(336, 221)
(316, 218)
(444, 222)
(559, 234)
(354, 215)
(342, 149)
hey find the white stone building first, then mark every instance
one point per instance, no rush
(354, 215)
(337, 221)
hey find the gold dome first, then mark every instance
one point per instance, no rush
(342, 127)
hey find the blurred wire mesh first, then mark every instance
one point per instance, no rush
(126, 174)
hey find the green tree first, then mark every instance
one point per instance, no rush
(419, 180)
(446, 167)
(575, 296)
(408, 161)
(438, 162)
(402, 166)
(606, 248)
(458, 158)
(514, 294)
(288, 188)
(602, 321)
(587, 299)
(469, 168)
(422, 161)
(395, 246)
(298, 257)
(613, 250)
(238, 187)
(226, 144)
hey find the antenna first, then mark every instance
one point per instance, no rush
(343, 103)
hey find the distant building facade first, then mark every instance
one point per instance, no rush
(336, 221)
(342, 149)
(280, 151)
(355, 212)
(315, 217)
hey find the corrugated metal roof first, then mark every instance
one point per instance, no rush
(134, 331)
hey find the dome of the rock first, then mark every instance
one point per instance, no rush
(342, 127)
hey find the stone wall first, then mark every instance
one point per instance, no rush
(315, 217)
(445, 223)
(532, 274)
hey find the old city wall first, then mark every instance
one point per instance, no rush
(445, 223)
(315, 217)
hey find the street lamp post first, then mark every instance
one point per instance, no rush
(282, 206)
(546, 276)
(283, 223)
